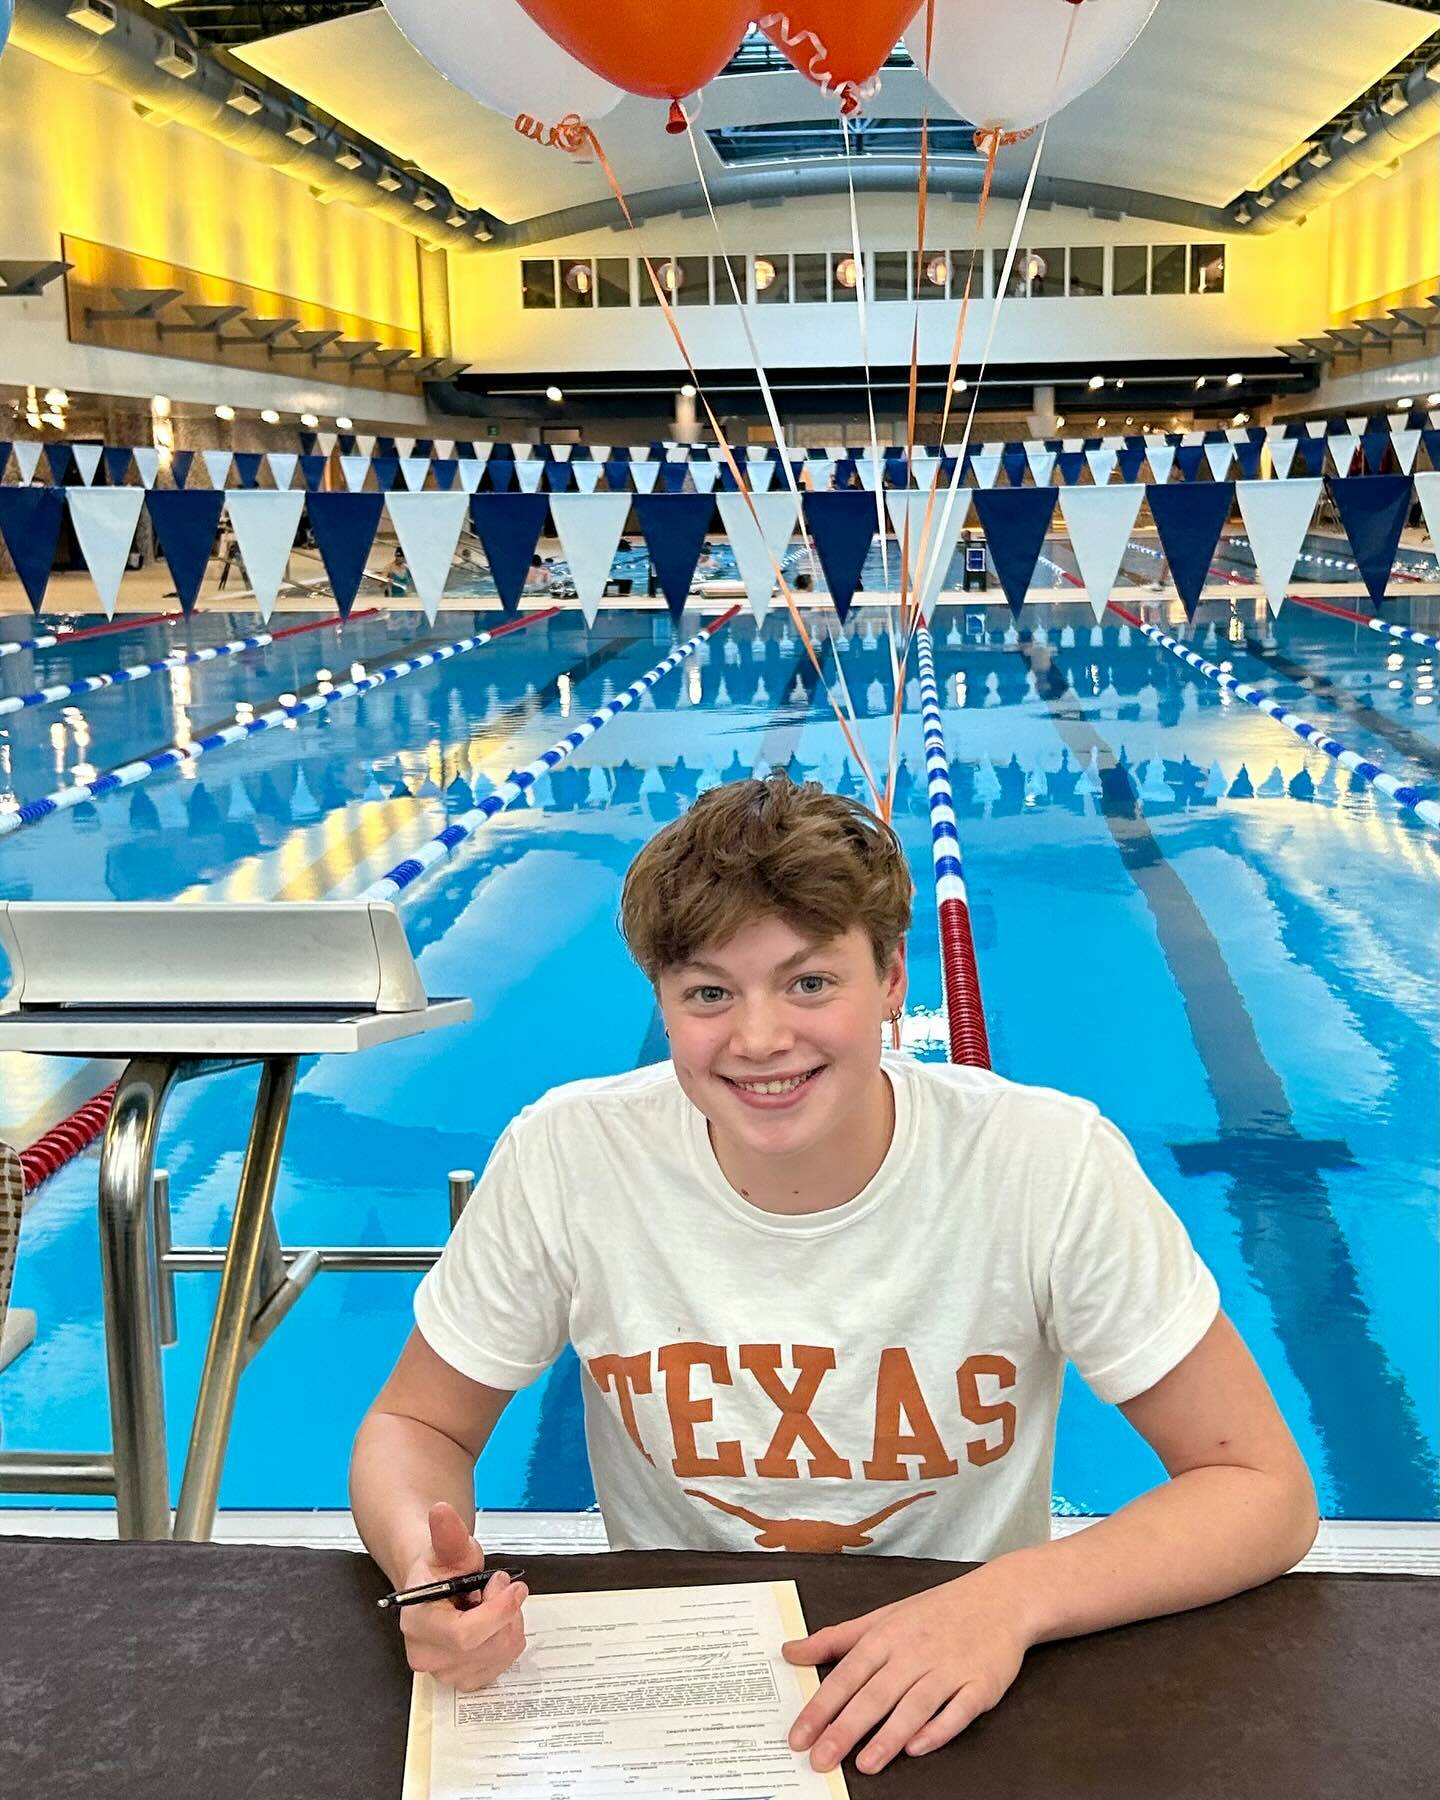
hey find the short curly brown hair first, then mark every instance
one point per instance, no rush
(772, 848)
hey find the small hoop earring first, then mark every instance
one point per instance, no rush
(897, 1015)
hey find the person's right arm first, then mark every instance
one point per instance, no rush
(412, 1491)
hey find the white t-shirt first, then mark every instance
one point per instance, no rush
(881, 1376)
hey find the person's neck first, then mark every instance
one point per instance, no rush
(817, 1179)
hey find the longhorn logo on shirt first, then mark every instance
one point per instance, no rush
(906, 1442)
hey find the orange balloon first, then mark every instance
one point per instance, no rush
(838, 43)
(641, 49)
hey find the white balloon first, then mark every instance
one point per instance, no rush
(999, 62)
(496, 52)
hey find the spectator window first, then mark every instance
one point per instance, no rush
(1087, 271)
(772, 279)
(968, 264)
(931, 274)
(612, 281)
(1046, 272)
(537, 284)
(811, 272)
(845, 276)
(1207, 269)
(1132, 269)
(1167, 269)
(892, 275)
(724, 293)
(577, 283)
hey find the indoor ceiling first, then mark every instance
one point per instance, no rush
(1212, 97)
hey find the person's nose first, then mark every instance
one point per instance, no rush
(760, 1030)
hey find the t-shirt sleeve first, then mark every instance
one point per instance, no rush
(496, 1305)
(1129, 1296)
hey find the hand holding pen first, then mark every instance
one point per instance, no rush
(477, 1630)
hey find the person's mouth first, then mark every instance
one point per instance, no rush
(773, 1093)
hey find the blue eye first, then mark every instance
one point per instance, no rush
(813, 985)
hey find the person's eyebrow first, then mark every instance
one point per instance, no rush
(708, 968)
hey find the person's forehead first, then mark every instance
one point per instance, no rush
(772, 944)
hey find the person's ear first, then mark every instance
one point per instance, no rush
(896, 980)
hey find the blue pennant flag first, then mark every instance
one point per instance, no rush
(347, 443)
(674, 527)
(1248, 456)
(180, 465)
(344, 526)
(500, 473)
(1376, 445)
(1301, 464)
(30, 525)
(387, 471)
(672, 476)
(385, 446)
(247, 467)
(617, 474)
(1015, 521)
(117, 466)
(4, 457)
(559, 477)
(1188, 460)
(1130, 460)
(843, 527)
(1190, 519)
(424, 447)
(896, 471)
(508, 527)
(1015, 463)
(1431, 440)
(185, 525)
(309, 441)
(446, 470)
(312, 472)
(728, 482)
(466, 449)
(61, 458)
(1071, 464)
(1373, 509)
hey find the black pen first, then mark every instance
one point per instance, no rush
(448, 1589)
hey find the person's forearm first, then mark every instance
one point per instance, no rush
(398, 1470)
(1201, 1537)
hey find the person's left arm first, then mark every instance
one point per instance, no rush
(1237, 1510)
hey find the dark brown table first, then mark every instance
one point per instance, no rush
(222, 1672)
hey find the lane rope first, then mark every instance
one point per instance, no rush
(439, 847)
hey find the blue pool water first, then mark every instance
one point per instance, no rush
(1239, 966)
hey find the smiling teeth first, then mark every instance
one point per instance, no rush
(773, 1087)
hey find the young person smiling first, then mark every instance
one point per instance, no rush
(823, 1296)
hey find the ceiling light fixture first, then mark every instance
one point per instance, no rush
(227, 413)
(309, 421)
(1096, 383)
(344, 424)
(270, 416)
(554, 394)
(1234, 380)
(687, 390)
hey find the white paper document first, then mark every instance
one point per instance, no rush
(666, 1692)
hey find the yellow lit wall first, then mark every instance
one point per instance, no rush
(1385, 238)
(76, 158)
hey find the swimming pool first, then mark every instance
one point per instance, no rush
(1179, 912)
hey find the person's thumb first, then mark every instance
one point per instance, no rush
(455, 1551)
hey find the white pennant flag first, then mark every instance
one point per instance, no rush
(87, 460)
(444, 448)
(482, 451)
(414, 469)
(1102, 465)
(1283, 452)
(428, 527)
(355, 469)
(1042, 463)
(1427, 490)
(326, 442)
(530, 475)
(948, 513)
(1277, 516)
(1100, 521)
(1237, 434)
(404, 447)
(756, 452)
(523, 452)
(600, 453)
(587, 475)
(365, 443)
(1406, 445)
(868, 471)
(1357, 424)
(283, 464)
(762, 475)
(1162, 461)
(589, 527)
(987, 468)
(265, 525)
(105, 521)
(217, 466)
(819, 473)
(926, 470)
(835, 452)
(1220, 457)
(1343, 448)
(27, 460)
(147, 462)
(644, 475)
(471, 474)
(704, 475)
(561, 452)
(759, 540)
